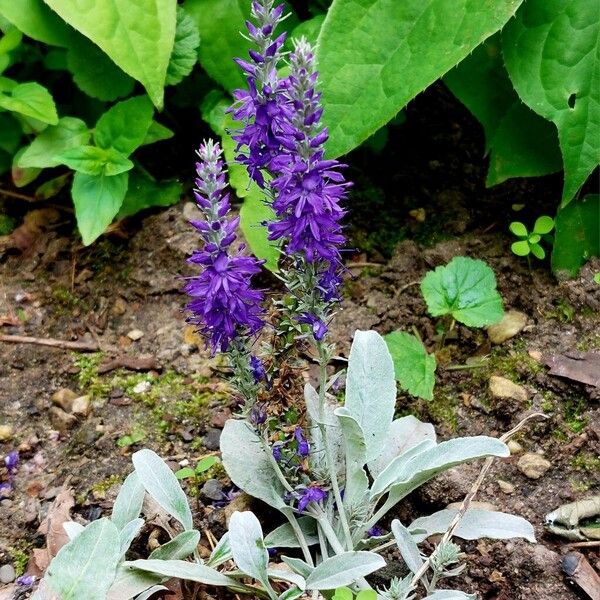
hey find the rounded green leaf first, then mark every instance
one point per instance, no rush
(520, 248)
(534, 238)
(537, 251)
(543, 225)
(518, 229)
(95, 161)
(31, 100)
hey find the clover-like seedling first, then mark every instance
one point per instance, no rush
(203, 465)
(529, 241)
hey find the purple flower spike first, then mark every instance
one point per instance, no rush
(319, 329)
(258, 415)
(12, 461)
(224, 305)
(277, 452)
(5, 490)
(311, 494)
(257, 368)
(375, 531)
(25, 580)
(303, 445)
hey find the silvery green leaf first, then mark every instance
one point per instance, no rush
(475, 524)
(407, 546)
(162, 485)
(288, 576)
(343, 569)
(183, 570)
(284, 536)
(298, 565)
(129, 583)
(129, 533)
(128, 504)
(357, 482)
(86, 567)
(371, 388)
(404, 433)
(73, 529)
(221, 552)
(291, 594)
(405, 476)
(180, 547)
(151, 591)
(450, 595)
(248, 546)
(248, 465)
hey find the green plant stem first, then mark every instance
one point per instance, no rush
(328, 453)
(329, 533)
(301, 539)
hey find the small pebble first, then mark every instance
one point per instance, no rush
(512, 323)
(6, 433)
(142, 387)
(212, 489)
(212, 438)
(7, 574)
(506, 487)
(135, 334)
(503, 388)
(514, 447)
(82, 406)
(533, 465)
(63, 398)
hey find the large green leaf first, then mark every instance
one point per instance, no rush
(97, 199)
(31, 100)
(68, 133)
(145, 192)
(95, 161)
(37, 21)
(185, 49)
(376, 55)
(520, 143)
(577, 235)
(138, 35)
(466, 289)
(552, 53)
(414, 367)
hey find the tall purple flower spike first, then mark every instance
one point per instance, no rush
(224, 304)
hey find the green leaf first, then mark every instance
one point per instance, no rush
(520, 143)
(156, 133)
(343, 569)
(10, 133)
(129, 583)
(343, 594)
(37, 21)
(376, 55)
(183, 570)
(10, 40)
(309, 30)
(162, 485)
(31, 100)
(551, 50)
(22, 176)
(185, 473)
(534, 238)
(95, 161)
(466, 289)
(208, 462)
(128, 504)
(95, 73)
(68, 133)
(414, 367)
(284, 536)
(185, 49)
(180, 547)
(543, 225)
(97, 199)
(86, 566)
(519, 229)
(137, 36)
(520, 248)
(577, 235)
(145, 192)
(407, 546)
(125, 125)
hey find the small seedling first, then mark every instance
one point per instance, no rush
(203, 465)
(130, 440)
(345, 593)
(529, 241)
(597, 278)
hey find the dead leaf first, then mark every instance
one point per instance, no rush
(578, 366)
(12, 321)
(133, 363)
(34, 225)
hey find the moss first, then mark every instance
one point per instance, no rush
(548, 402)
(88, 377)
(106, 484)
(579, 486)
(585, 461)
(591, 341)
(563, 312)
(514, 364)
(20, 556)
(573, 414)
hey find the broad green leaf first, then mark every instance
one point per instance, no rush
(343, 569)
(137, 35)
(10, 40)
(474, 524)
(543, 225)
(125, 125)
(291, 594)
(407, 546)
(183, 570)
(144, 192)
(162, 485)
(577, 236)
(180, 547)
(151, 592)
(31, 100)
(413, 365)
(92, 160)
(371, 388)
(97, 199)
(68, 133)
(185, 49)
(10, 133)
(248, 547)
(466, 289)
(284, 536)
(129, 583)
(450, 595)
(376, 55)
(129, 501)
(221, 552)
(537, 251)
(552, 53)
(520, 248)
(129, 533)
(37, 21)
(22, 176)
(288, 576)
(309, 30)
(343, 594)
(298, 566)
(73, 529)
(519, 142)
(405, 433)
(95, 73)
(519, 229)
(251, 470)
(86, 567)
(156, 133)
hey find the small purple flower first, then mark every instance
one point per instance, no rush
(303, 448)
(257, 368)
(311, 494)
(12, 461)
(5, 490)
(277, 448)
(25, 580)
(318, 327)
(258, 414)
(375, 531)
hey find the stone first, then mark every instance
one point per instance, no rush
(7, 574)
(512, 323)
(82, 406)
(220, 417)
(135, 335)
(142, 387)
(514, 447)
(119, 307)
(212, 438)
(505, 389)
(61, 421)
(6, 433)
(533, 465)
(506, 487)
(212, 489)
(63, 398)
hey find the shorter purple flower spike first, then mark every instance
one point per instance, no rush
(319, 328)
(257, 369)
(25, 580)
(277, 452)
(258, 414)
(303, 448)
(12, 461)
(375, 531)
(5, 490)
(311, 494)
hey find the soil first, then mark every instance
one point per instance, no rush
(427, 190)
